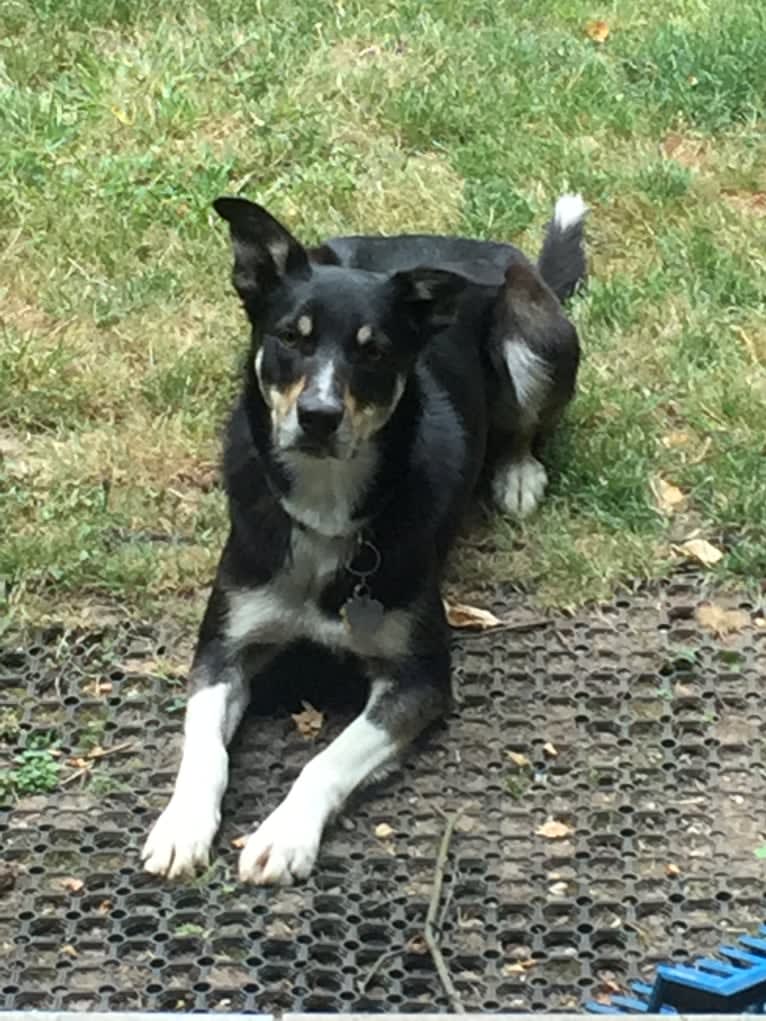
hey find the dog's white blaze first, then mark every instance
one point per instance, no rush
(364, 334)
(569, 210)
(529, 374)
(305, 326)
(180, 839)
(325, 381)
(285, 846)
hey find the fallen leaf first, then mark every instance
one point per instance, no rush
(608, 985)
(597, 30)
(760, 621)
(672, 870)
(558, 889)
(554, 830)
(79, 763)
(383, 831)
(518, 759)
(309, 722)
(69, 950)
(676, 438)
(417, 945)
(72, 885)
(104, 907)
(700, 550)
(721, 622)
(519, 967)
(550, 750)
(459, 615)
(667, 496)
(239, 842)
(760, 852)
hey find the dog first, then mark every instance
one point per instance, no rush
(379, 374)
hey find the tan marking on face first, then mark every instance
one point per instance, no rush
(283, 401)
(364, 334)
(305, 326)
(365, 419)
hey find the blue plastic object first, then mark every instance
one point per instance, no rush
(736, 984)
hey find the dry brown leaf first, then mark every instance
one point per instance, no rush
(309, 722)
(667, 496)
(518, 759)
(721, 622)
(519, 967)
(69, 950)
(554, 830)
(672, 870)
(239, 842)
(383, 831)
(700, 550)
(79, 763)
(417, 945)
(675, 438)
(104, 907)
(597, 30)
(551, 750)
(459, 615)
(72, 885)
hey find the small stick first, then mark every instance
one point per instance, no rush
(429, 935)
(102, 753)
(362, 986)
(521, 626)
(96, 756)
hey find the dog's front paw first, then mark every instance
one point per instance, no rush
(282, 849)
(179, 842)
(519, 486)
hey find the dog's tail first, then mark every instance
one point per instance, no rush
(562, 259)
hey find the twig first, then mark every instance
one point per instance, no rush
(429, 934)
(447, 903)
(77, 772)
(520, 626)
(101, 753)
(362, 986)
(95, 756)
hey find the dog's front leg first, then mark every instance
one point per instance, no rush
(403, 699)
(219, 691)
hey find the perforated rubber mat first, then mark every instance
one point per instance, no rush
(622, 830)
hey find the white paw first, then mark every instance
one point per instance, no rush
(519, 486)
(283, 848)
(179, 842)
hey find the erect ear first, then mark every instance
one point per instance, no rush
(530, 301)
(430, 295)
(264, 251)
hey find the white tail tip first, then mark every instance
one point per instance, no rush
(570, 209)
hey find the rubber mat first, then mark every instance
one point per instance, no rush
(610, 771)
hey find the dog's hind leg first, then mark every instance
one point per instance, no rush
(403, 700)
(180, 840)
(534, 351)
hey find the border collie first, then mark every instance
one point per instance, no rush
(380, 373)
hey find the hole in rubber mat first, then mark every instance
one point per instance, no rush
(646, 741)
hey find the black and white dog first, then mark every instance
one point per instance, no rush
(378, 372)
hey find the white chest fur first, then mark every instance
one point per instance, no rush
(286, 609)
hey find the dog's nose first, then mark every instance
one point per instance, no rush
(319, 419)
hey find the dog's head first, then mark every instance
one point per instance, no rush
(332, 347)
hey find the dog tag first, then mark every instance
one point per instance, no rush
(363, 614)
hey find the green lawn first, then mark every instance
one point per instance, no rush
(121, 120)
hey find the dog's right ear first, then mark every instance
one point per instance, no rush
(264, 250)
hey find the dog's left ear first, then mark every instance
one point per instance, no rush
(430, 295)
(264, 250)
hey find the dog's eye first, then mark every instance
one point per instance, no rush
(290, 338)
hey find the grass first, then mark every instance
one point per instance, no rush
(119, 337)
